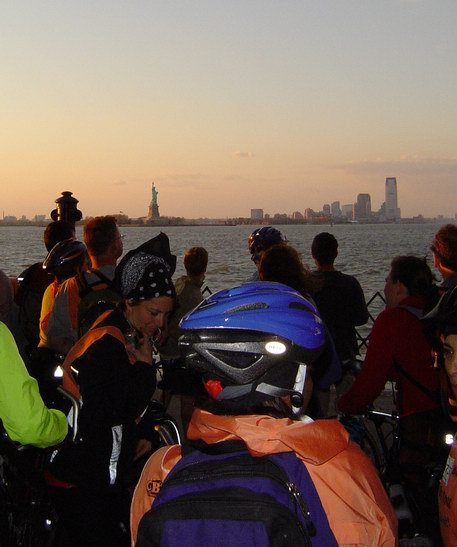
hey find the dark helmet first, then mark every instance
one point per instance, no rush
(263, 238)
(65, 258)
(249, 342)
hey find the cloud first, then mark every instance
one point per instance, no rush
(239, 154)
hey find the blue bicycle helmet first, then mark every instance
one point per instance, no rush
(262, 239)
(252, 340)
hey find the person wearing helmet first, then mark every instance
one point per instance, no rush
(32, 283)
(259, 241)
(104, 245)
(441, 323)
(66, 259)
(252, 346)
(111, 369)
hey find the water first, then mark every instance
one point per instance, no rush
(364, 250)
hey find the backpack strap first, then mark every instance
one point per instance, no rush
(81, 346)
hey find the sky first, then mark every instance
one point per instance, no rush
(227, 105)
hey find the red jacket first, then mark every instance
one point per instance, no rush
(397, 337)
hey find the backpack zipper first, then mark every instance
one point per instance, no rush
(291, 488)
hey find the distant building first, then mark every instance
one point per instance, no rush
(335, 209)
(40, 218)
(309, 214)
(326, 209)
(296, 215)
(347, 211)
(256, 214)
(392, 212)
(362, 209)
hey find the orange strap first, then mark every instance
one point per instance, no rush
(80, 347)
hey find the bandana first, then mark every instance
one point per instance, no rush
(146, 276)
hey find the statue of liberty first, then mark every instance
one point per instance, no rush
(154, 195)
(154, 206)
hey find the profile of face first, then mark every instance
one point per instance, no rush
(450, 360)
(149, 315)
(394, 291)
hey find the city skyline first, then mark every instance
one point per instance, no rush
(227, 106)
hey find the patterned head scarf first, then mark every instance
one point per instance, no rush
(146, 276)
(146, 272)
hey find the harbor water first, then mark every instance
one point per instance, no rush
(365, 250)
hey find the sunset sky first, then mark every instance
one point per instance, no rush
(227, 105)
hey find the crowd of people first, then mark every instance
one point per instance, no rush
(252, 368)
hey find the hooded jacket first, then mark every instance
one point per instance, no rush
(357, 507)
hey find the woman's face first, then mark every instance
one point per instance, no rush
(450, 360)
(149, 315)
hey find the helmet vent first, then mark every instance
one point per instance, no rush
(237, 360)
(299, 306)
(248, 307)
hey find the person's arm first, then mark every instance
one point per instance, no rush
(358, 308)
(25, 417)
(370, 381)
(59, 331)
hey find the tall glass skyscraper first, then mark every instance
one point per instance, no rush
(392, 210)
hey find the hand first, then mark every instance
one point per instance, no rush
(141, 350)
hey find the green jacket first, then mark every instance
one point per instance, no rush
(25, 417)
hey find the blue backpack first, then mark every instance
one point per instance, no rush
(234, 499)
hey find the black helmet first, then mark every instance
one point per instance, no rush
(263, 238)
(250, 341)
(65, 258)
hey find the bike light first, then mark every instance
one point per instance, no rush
(275, 347)
(58, 373)
(449, 438)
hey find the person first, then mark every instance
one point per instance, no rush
(25, 417)
(259, 241)
(32, 283)
(188, 295)
(442, 325)
(341, 304)
(256, 397)
(399, 351)
(444, 248)
(339, 297)
(104, 246)
(6, 300)
(65, 259)
(282, 263)
(116, 379)
(177, 380)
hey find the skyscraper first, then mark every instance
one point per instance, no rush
(362, 209)
(392, 210)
